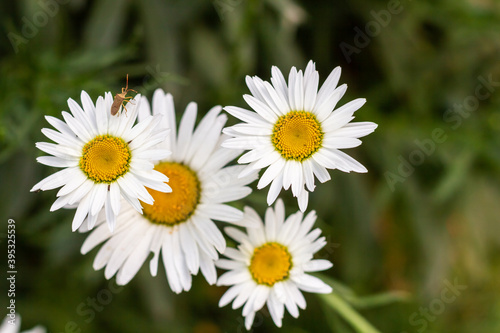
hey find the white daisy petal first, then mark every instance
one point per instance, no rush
(169, 110)
(271, 173)
(210, 124)
(205, 247)
(237, 235)
(228, 264)
(245, 115)
(207, 268)
(292, 77)
(221, 212)
(234, 254)
(329, 85)
(279, 100)
(155, 248)
(186, 130)
(144, 110)
(276, 309)
(354, 165)
(299, 91)
(168, 261)
(230, 294)
(134, 262)
(177, 224)
(342, 115)
(356, 130)
(317, 265)
(98, 235)
(311, 81)
(323, 110)
(265, 270)
(341, 142)
(55, 180)
(81, 212)
(180, 263)
(105, 252)
(246, 291)
(58, 150)
(249, 320)
(311, 284)
(208, 228)
(62, 138)
(233, 277)
(270, 227)
(58, 162)
(190, 249)
(275, 189)
(97, 155)
(81, 116)
(303, 200)
(123, 127)
(82, 190)
(209, 144)
(251, 129)
(261, 108)
(98, 198)
(290, 304)
(59, 125)
(123, 250)
(78, 128)
(101, 116)
(308, 175)
(320, 172)
(295, 131)
(249, 305)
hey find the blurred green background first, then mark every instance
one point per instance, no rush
(424, 217)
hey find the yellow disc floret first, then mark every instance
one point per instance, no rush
(175, 207)
(105, 158)
(270, 263)
(297, 135)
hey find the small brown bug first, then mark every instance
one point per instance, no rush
(119, 98)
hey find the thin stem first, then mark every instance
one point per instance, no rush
(348, 313)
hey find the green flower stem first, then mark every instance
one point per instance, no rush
(348, 313)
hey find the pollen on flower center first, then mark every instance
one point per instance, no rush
(297, 135)
(105, 158)
(175, 207)
(270, 263)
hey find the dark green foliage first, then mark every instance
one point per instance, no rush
(392, 233)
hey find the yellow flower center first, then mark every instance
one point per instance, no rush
(177, 206)
(270, 263)
(297, 135)
(105, 158)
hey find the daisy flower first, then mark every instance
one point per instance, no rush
(179, 224)
(271, 264)
(15, 327)
(104, 158)
(296, 131)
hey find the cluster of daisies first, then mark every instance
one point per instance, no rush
(142, 183)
